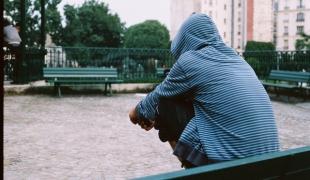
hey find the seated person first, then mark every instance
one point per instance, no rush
(232, 115)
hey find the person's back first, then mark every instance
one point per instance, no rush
(233, 114)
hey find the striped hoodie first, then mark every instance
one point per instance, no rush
(233, 113)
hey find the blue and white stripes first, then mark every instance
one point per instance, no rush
(233, 114)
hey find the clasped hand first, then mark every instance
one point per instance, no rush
(146, 125)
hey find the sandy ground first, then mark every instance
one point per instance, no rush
(90, 137)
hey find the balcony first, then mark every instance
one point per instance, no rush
(300, 7)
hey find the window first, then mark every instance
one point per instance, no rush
(285, 47)
(300, 17)
(300, 29)
(225, 6)
(300, 5)
(224, 34)
(239, 3)
(210, 14)
(224, 20)
(285, 21)
(286, 6)
(210, 2)
(285, 30)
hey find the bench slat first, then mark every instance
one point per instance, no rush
(290, 76)
(77, 81)
(290, 163)
(281, 85)
(80, 75)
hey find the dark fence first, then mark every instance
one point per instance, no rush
(140, 65)
(23, 68)
(133, 65)
(264, 61)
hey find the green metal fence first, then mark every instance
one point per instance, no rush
(264, 61)
(32, 65)
(139, 65)
(133, 65)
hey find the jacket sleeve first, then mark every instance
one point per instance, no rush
(176, 83)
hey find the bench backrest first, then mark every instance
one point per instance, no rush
(162, 72)
(290, 76)
(79, 73)
(290, 164)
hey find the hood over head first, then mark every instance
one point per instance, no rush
(196, 32)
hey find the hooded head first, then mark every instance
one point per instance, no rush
(196, 32)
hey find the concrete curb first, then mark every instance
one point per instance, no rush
(41, 87)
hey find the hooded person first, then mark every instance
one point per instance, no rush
(233, 116)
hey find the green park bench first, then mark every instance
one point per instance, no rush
(81, 76)
(287, 79)
(289, 164)
(160, 72)
(292, 80)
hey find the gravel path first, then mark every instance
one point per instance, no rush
(90, 137)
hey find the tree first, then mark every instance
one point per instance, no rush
(304, 43)
(149, 34)
(33, 21)
(261, 56)
(259, 46)
(92, 25)
(53, 21)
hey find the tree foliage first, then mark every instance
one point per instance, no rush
(53, 21)
(149, 34)
(260, 55)
(92, 24)
(33, 21)
(259, 46)
(304, 43)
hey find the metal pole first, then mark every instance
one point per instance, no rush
(43, 24)
(42, 50)
(20, 68)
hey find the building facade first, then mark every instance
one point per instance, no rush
(230, 18)
(238, 21)
(263, 20)
(293, 18)
(179, 11)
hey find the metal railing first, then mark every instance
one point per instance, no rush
(133, 65)
(264, 61)
(140, 65)
(23, 68)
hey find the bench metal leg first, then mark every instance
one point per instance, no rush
(59, 92)
(110, 86)
(105, 88)
(57, 89)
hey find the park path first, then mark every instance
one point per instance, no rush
(90, 137)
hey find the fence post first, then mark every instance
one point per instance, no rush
(278, 62)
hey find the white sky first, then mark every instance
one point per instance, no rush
(134, 11)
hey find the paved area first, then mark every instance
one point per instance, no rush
(90, 137)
